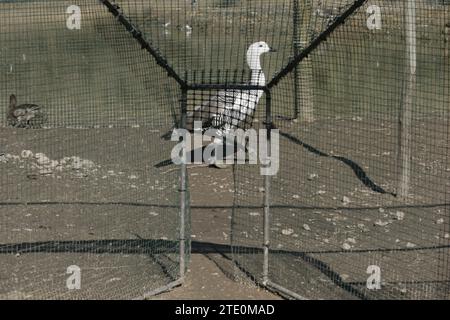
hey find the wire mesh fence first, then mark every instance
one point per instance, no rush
(373, 122)
(79, 193)
(358, 91)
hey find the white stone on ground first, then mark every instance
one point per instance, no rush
(410, 245)
(345, 200)
(41, 159)
(346, 246)
(399, 215)
(287, 232)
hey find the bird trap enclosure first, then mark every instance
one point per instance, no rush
(353, 96)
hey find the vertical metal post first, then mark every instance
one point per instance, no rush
(266, 227)
(303, 73)
(445, 256)
(183, 191)
(405, 116)
(296, 45)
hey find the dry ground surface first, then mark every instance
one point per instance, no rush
(93, 198)
(110, 211)
(335, 210)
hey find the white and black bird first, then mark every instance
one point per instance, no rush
(231, 109)
(22, 116)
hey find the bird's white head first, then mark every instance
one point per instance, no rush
(254, 54)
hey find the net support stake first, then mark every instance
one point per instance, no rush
(284, 291)
(296, 45)
(409, 88)
(162, 289)
(266, 244)
(183, 191)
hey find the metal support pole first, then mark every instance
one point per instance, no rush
(162, 289)
(285, 292)
(406, 110)
(267, 179)
(296, 45)
(183, 191)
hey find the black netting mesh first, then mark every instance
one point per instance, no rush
(79, 186)
(357, 90)
(336, 206)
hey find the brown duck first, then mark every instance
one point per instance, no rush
(21, 116)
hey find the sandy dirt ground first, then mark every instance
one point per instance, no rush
(211, 273)
(91, 202)
(97, 200)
